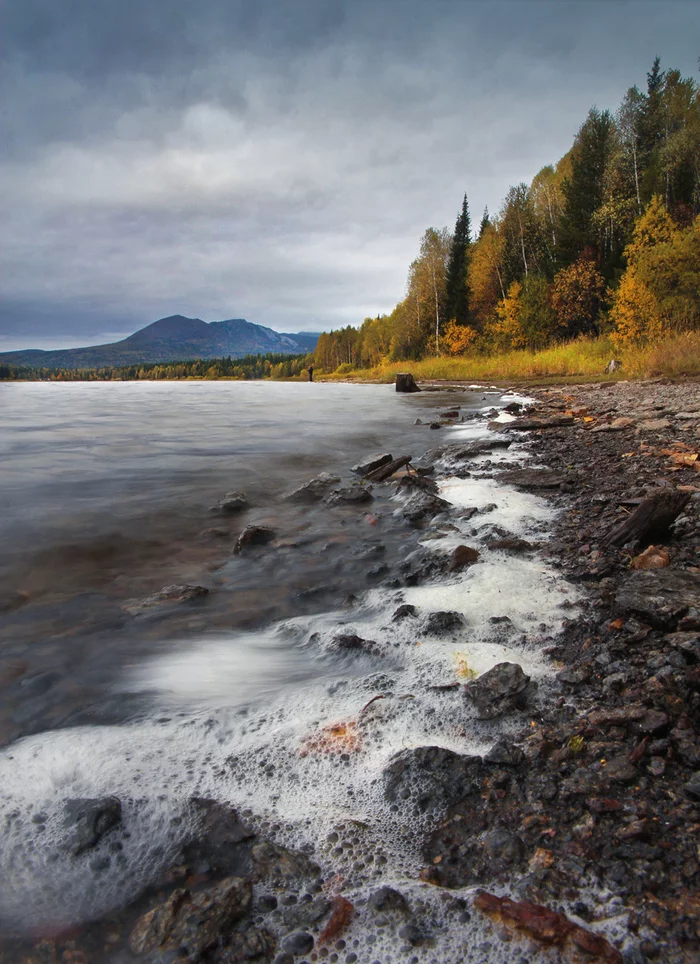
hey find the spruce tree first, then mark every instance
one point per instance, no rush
(485, 221)
(457, 293)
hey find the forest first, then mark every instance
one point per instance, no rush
(271, 365)
(604, 242)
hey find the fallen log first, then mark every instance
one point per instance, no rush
(650, 520)
(386, 471)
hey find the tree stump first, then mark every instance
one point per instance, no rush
(406, 383)
(650, 520)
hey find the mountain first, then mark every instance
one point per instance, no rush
(172, 339)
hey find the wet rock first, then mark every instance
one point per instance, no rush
(510, 544)
(349, 495)
(435, 425)
(532, 478)
(388, 899)
(252, 537)
(424, 507)
(659, 597)
(221, 838)
(351, 643)
(417, 483)
(499, 691)
(442, 623)
(692, 787)
(308, 914)
(465, 452)
(453, 413)
(503, 848)
(405, 611)
(535, 424)
(192, 922)
(371, 463)
(255, 944)
(461, 557)
(546, 926)
(431, 777)
(620, 770)
(278, 863)
(314, 490)
(89, 821)
(300, 943)
(576, 675)
(231, 503)
(505, 753)
(168, 596)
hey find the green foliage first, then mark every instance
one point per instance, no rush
(270, 365)
(456, 283)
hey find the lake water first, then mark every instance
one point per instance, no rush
(106, 492)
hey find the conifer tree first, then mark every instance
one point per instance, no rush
(485, 221)
(457, 292)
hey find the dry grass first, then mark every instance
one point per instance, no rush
(580, 360)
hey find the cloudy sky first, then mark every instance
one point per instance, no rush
(278, 160)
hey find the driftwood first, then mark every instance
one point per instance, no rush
(650, 520)
(406, 383)
(386, 471)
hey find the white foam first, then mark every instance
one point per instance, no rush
(237, 721)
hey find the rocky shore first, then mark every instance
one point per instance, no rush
(575, 836)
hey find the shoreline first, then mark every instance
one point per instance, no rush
(543, 840)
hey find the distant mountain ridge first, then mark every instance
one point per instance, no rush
(175, 338)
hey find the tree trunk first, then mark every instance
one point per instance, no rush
(386, 471)
(406, 383)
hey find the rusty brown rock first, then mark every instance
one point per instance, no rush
(461, 557)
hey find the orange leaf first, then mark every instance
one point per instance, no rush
(334, 738)
(343, 913)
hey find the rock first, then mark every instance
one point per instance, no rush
(652, 558)
(423, 467)
(513, 408)
(620, 770)
(546, 926)
(349, 495)
(469, 450)
(231, 503)
(300, 943)
(307, 914)
(461, 557)
(504, 753)
(435, 425)
(406, 383)
(404, 612)
(617, 425)
(278, 863)
(575, 675)
(534, 424)
(314, 490)
(220, 836)
(350, 643)
(89, 821)
(659, 597)
(654, 424)
(498, 691)
(420, 508)
(372, 463)
(453, 413)
(168, 596)
(532, 478)
(440, 623)
(388, 899)
(417, 483)
(510, 544)
(194, 922)
(253, 536)
(431, 778)
(692, 787)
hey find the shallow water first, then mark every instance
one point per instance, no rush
(231, 698)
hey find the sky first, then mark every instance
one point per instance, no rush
(279, 160)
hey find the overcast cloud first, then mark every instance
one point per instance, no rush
(278, 160)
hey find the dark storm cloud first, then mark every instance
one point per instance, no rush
(278, 160)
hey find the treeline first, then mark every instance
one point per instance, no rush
(271, 365)
(606, 240)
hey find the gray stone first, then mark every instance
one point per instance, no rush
(314, 490)
(89, 821)
(498, 691)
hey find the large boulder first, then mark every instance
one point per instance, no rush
(231, 503)
(253, 536)
(659, 597)
(349, 495)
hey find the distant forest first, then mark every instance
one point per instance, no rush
(271, 365)
(605, 241)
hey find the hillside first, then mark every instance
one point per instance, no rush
(175, 338)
